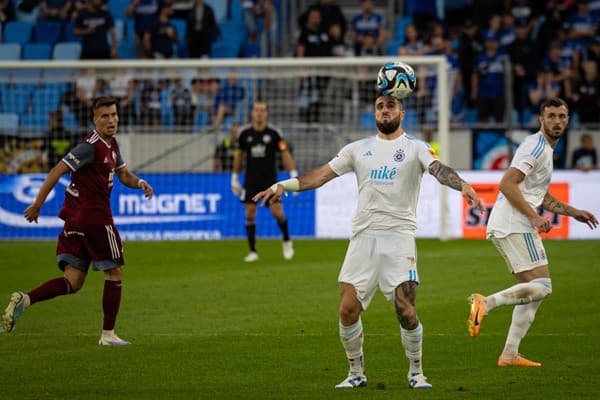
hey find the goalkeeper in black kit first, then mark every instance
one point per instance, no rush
(258, 144)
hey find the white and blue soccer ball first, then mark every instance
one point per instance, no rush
(396, 79)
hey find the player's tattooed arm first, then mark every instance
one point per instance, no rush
(552, 204)
(446, 175)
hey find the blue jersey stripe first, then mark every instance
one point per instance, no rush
(539, 148)
(531, 247)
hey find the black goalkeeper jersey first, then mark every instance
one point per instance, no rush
(261, 148)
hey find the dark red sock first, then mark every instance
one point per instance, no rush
(50, 289)
(111, 300)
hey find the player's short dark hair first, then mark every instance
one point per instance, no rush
(103, 101)
(553, 102)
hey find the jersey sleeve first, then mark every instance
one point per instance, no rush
(527, 155)
(426, 155)
(344, 161)
(278, 138)
(120, 162)
(80, 156)
(241, 140)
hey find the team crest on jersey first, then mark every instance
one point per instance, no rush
(266, 139)
(399, 155)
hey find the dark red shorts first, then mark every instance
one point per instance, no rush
(80, 243)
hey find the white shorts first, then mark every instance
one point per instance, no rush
(521, 251)
(379, 261)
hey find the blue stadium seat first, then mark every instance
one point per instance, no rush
(15, 100)
(30, 17)
(47, 32)
(126, 51)
(17, 32)
(117, 8)
(67, 51)
(250, 50)
(400, 25)
(392, 47)
(202, 119)
(10, 51)
(45, 100)
(69, 119)
(224, 50)
(37, 51)
(181, 28)
(9, 120)
(35, 121)
(219, 7)
(68, 35)
(236, 11)
(233, 32)
(367, 120)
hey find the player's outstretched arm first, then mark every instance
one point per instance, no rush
(308, 180)
(129, 179)
(554, 205)
(33, 211)
(447, 176)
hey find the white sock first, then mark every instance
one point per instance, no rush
(413, 344)
(522, 318)
(522, 293)
(352, 339)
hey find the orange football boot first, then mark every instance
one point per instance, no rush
(517, 361)
(477, 313)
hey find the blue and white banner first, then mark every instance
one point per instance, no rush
(184, 207)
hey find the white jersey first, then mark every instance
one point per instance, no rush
(534, 159)
(388, 173)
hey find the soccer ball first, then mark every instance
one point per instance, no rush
(396, 80)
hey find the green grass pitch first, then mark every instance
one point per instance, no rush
(205, 325)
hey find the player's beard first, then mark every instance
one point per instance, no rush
(552, 132)
(388, 127)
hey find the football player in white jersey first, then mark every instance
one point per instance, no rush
(513, 228)
(381, 253)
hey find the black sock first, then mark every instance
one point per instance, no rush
(251, 234)
(283, 225)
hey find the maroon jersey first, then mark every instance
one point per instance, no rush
(93, 163)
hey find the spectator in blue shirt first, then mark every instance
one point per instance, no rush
(93, 23)
(365, 23)
(145, 13)
(159, 41)
(487, 81)
(583, 25)
(226, 99)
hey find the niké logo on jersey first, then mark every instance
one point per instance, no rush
(383, 173)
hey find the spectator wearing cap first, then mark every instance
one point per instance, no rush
(585, 94)
(524, 59)
(367, 22)
(470, 43)
(487, 81)
(93, 24)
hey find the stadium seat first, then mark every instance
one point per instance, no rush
(392, 47)
(9, 120)
(45, 100)
(47, 32)
(37, 51)
(69, 119)
(367, 120)
(17, 32)
(219, 7)
(236, 11)
(181, 28)
(15, 100)
(117, 8)
(233, 32)
(10, 51)
(202, 119)
(400, 25)
(67, 51)
(250, 50)
(35, 121)
(126, 51)
(68, 35)
(224, 50)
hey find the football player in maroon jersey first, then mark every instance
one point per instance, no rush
(89, 235)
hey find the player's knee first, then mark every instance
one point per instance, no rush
(349, 314)
(544, 288)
